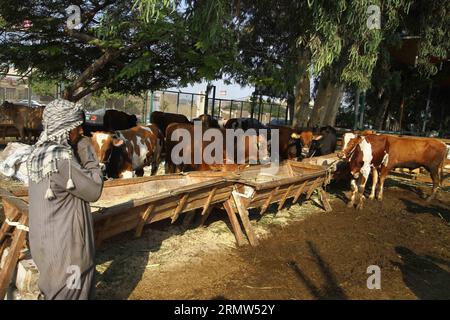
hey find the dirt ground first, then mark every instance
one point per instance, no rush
(305, 253)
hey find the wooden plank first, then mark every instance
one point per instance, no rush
(299, 192)
(325, 201)
(143, 220)
(5, 228)
(283, 200)
(208, 201)
(180, 207)
(3, 246)
(269, 199)
(8, 197)
(205, 216)
(243, 213)
(12, 214)
(314, 186)
(234, 223)
(102, 230)
(18, 242)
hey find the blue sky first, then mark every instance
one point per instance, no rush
(233, 91)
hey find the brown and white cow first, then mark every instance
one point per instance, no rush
(379, 154)
(126, 152)
(28, 121)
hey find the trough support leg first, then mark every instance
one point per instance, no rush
(143, 220)
(205, 216)
(234, 223)
(299, 192)
(313, 187)
(325, 200)
(243, 213)
(18, 242)
(283, 200)
(269, 199)
(180, 207)
(208, 201)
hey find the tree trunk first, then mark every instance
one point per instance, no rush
(334, 102)
(321, 103)
(381, 117)
(301, 104)
(290, 106)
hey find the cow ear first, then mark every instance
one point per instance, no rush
(117, 142)
(295, 136)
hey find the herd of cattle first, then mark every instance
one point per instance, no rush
(124, 148)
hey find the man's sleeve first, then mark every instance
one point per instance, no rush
(88, 182)
(86, 154)
(87, 176)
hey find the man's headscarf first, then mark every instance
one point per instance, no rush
(59, 117)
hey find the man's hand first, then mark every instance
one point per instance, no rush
(86, 154)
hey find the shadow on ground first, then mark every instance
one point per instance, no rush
(423, 274)
(435, 208)
(331, 289)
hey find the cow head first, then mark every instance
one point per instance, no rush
(349, 148)
(132, 120)
(295, 146)
(104, 144)
(299, 143)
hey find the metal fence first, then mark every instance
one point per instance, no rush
(16, 89)
(193, 104)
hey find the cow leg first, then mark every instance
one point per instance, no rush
(170, 166)
(354, 193)
(374, 183)
(29, 137)
(383, 174)
(436, 183)
(22, 135)
(361, 188)
(139, 172)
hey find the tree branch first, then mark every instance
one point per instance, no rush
(87, 74)
(80, 36)
(89, 90)
(89, 16)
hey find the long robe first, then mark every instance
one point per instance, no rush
(62, 230)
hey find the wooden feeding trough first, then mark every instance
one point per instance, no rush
(260, 186)
(132, 203)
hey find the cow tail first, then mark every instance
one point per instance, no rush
(441, 168)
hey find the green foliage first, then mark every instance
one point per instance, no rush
(43, 87)
(151, 9)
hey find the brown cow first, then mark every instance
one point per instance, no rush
(290, 142)
(379, 154)
(125, 152)
(164, 119)
(28, 121)
(187, 161)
